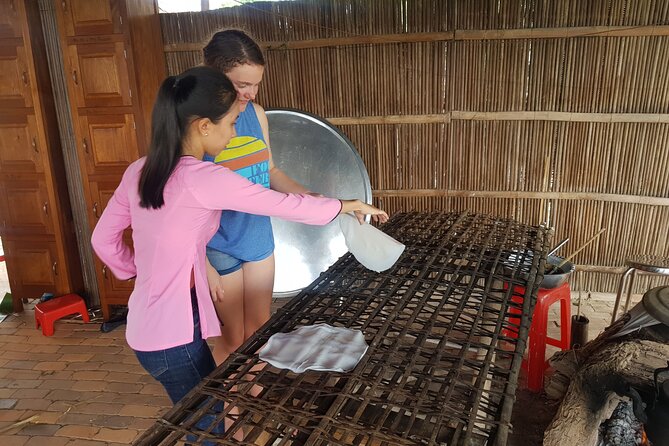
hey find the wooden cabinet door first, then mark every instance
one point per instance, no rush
(10, 19)
(108, 143)
(20, 149)
(92, 17)
(26, 207)
(32, 267)
(14, 77)
(99, 75)
(112, 290)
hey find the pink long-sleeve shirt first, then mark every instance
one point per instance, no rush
(170, 242)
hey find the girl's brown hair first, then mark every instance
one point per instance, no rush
(230, 48)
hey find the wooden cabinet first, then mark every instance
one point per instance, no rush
(37, 229)
(114, 63)
(92, 17)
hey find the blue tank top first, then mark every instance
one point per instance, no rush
(247, 237)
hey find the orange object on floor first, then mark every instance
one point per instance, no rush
(46, 313)
(535, 364)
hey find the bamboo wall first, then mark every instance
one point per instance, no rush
(545, 111)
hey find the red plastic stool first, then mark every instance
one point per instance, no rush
(46, 313)
(535, 364)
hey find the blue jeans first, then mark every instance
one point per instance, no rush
(179, 369)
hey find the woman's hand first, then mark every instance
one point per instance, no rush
(361, 209)
(215, 284)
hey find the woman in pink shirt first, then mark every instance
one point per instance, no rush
(173, 201)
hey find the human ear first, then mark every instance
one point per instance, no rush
(203, 126)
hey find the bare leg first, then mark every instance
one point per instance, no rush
(230, 312)
(258, 285)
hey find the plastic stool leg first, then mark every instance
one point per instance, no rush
(565, 326)
(536, 361)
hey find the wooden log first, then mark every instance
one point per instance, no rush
(591, 398)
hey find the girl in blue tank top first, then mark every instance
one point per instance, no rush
(242, 251)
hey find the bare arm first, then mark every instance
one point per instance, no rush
(279, 180)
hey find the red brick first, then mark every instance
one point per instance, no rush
(40, 429)
(62, 374)
(76, 357)
(98, 408)
(21, 365)
(30, 393)
(11, 339)
(123, 368)
(89, 385)
(117, 435)
(44, 348)
(124, 387)
(49, 417)
(77, 418)
(102, 350)
(54, 340)
(6, 393)
(12, 415)
(63, 384)
(77, 431)
(33, 404)
(99, 341)
(47, 441)
(17, 348)
(49, 365)
(80, 442)
(89, 375)
(63, 395)
(23, 383)
(8, 331)
(153, 389)
(149, 400)
(76, 366)
(13, 440)
(135, 410)
(142, 424)
(114, 421)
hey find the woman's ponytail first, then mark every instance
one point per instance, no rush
(200, 92)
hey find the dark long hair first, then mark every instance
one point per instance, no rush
(199, 92)
(232, 47)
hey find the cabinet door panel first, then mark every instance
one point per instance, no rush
(14, 77)
(27, 208)
(108, 143)
(113, 291)
(32, 267)
(92, 17)
(99, 76)
(10, 20)
(20, 149)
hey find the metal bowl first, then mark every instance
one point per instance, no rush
(522, 262)
(558, 277)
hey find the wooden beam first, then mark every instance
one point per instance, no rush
(586, 196)
(476, 34)
(391, 119)
(559, 116)
(662, 118)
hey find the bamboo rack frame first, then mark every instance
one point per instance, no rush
(443, 359)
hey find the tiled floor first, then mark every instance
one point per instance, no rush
(85, 388)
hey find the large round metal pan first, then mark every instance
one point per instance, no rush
(318, 155)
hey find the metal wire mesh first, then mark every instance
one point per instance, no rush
(443, 357)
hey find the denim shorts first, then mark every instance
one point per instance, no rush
(222, 262)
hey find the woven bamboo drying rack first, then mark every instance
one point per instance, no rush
(442, 365)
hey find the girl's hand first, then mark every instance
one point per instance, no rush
(215, 284)
(361, 209)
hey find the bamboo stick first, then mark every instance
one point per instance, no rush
(658, 118)
(475, 34)
(582, 196)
